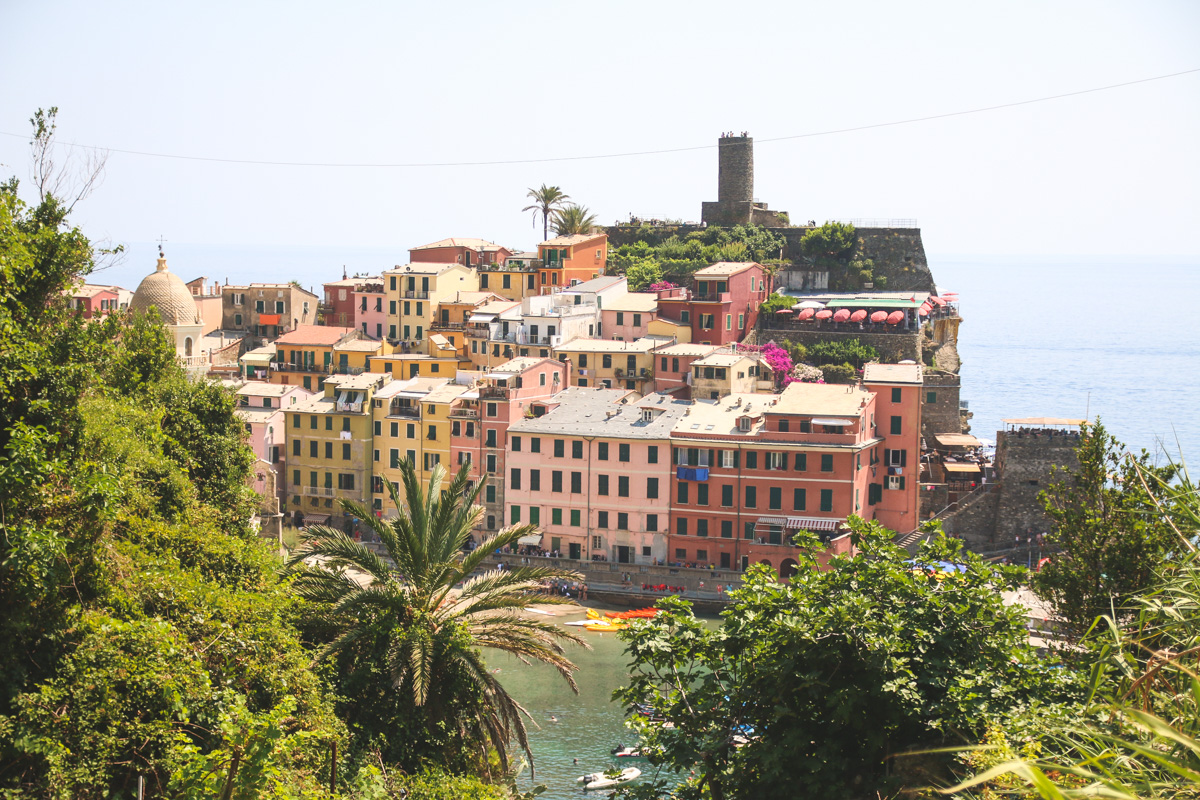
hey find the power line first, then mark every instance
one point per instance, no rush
(631, 154)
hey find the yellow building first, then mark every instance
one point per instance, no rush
(415, 365)
(610, 364)
(681, 332)
(516, 279)
(411, 421)
(414, 291)
(352, 357)
(329, 442)
(304, 357)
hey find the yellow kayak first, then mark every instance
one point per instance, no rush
(604, 627)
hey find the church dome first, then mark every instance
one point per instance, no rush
(169, 294)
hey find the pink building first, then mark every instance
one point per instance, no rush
(898, 389)
(628, 316)
(93, 301)
(722, 305)
(460, 250)
(673, 366)
(261, 408)
(480, 421)
(594, 474)
(370, 308)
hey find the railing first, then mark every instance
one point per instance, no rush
(416, 295)
(533, 266)
(500, 392)
(319, 491)
(404, 411)
(353, 408)
(344, 369)
(721, 297)
(880, 222)
(284, 366)
(454, 326)
(466, 413)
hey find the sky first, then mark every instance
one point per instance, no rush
(1115, 171)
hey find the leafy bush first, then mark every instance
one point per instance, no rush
(842, 351)
(839, 373)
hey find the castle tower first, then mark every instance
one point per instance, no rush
(735, 169)
(735, 203)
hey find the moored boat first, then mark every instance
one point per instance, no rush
(600, 780)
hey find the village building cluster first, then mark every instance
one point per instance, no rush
(631, 427)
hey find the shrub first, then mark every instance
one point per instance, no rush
(839, 373)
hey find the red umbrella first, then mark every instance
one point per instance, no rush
(924, 310)
(784, 311)
(841, 315)
(879, 316)
(824, 313)
(949, 295)
(895, 318)
(937, 300)
(805, 313)
(858, 316)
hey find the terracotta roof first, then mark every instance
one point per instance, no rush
(478, 244)
(687, 349)
(324, 335)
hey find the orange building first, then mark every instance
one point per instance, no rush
(571, 259)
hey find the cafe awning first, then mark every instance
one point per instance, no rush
(533, 539)
(269, 319)
(961, 468)
(958, 440)
(831, 421)
(317, 519)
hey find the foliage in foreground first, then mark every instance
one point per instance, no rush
(1139, 736)
(826, 678)
(406, 642)
(143, 620)
(1112, 540)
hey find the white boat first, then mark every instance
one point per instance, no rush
(598, 780)
(580, 622)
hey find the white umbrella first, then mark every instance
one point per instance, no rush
(809, 304)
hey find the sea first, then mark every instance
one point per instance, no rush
(1109, 337)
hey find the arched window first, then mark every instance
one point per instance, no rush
(788, 568)
(187, 347)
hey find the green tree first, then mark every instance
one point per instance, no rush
(831, 243)
(572, 220)
(408, 640)
(1110, 535)
(643, 273)
(546, 199)
(807, 689)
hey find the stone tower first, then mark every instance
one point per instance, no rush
(735, 169)
(735, 203)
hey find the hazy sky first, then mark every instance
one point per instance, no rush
(385, 83)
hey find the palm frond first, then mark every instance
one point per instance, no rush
(339, 550)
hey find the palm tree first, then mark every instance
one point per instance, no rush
(573, 219)
(547, 200)
(410, 614)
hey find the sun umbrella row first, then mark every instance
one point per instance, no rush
(846, 315)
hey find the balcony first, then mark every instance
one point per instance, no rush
(412, 412)
(497, 392)
(343, 369)
(713, 297)
(416, 295)
(319, 491)
(534, 265)
(350, 408)
(451, 326)
(464, 413)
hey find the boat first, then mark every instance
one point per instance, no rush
(625, 751)
(604, 627)
(579, 623)
(593, 614)
(640, 613)
(600, 780)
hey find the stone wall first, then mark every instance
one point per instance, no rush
(942, 415)
(898, 253)
(1024, 465)
(892, 347)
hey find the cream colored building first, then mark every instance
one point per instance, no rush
(413, 292)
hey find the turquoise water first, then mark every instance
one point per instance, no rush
(589, 725)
